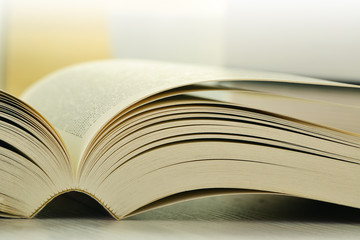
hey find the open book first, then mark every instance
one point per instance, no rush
(140, 134)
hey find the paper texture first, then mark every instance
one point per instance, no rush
(83, 98)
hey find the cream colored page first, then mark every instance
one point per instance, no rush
(77, 101)
(331, 114)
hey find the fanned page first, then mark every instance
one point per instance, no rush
(139, 131)
(81, 99)
(34, 164)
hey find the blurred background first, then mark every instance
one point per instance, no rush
(314, 38)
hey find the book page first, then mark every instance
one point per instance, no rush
(79, 100)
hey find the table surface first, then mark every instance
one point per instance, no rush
(243, 216)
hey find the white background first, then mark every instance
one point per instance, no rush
(318, 38)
